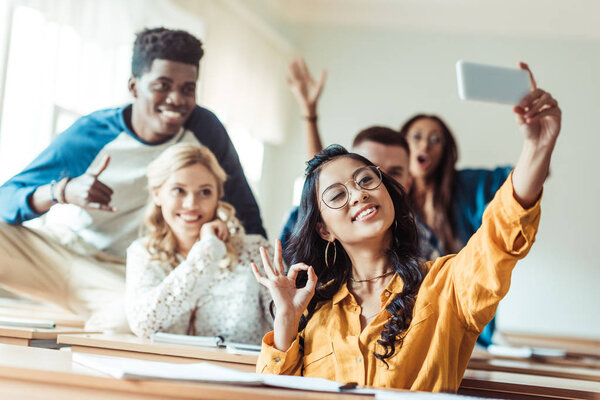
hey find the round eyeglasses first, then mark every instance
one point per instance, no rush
(337, 195)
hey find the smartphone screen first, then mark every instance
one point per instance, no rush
(491, 83)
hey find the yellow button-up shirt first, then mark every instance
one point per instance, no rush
(457, 298)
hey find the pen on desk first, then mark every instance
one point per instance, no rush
(348, 386)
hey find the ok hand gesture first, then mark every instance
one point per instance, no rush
(290, 301)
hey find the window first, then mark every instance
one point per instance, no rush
(54, 74)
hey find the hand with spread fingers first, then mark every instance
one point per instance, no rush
(304, 87)
(87, 191)
(539, 118)
(290, 301)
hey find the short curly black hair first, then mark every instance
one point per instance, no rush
(166, 44)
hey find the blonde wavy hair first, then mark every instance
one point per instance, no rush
(161, 243)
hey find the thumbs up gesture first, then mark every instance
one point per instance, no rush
(88, 192)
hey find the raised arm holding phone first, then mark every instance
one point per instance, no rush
(366, 311)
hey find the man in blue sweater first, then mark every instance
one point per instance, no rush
(95, 172)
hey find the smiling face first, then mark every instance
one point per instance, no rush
(368, 213)
(426, 139)
(188, 199)
(165, 96)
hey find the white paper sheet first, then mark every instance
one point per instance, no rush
(127, 368)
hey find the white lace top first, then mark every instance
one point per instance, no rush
(200, 296)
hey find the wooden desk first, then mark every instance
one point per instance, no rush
(33, 336)
(575, 347)
(127, 345)
(64, 320)
(583, 369)
(506, 385)
(23, 309)
(535, 368)
(30, 373)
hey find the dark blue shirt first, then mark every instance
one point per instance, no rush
(473, 190)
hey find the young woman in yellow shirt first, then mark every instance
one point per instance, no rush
(355, 305)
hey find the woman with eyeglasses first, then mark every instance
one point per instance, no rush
(450, 201)
(356, 306)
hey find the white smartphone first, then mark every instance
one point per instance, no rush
(491, 83)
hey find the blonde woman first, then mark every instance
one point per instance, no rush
(189, 272)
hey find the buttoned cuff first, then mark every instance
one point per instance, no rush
(273, 361)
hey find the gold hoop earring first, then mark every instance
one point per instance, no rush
(327, 253)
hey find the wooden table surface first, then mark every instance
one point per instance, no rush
(582, 347)
(131, 346)
(60, 319)
(26, 336)
(509, 385)
(585, 369)
(31, 373)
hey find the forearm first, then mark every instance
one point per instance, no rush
(313, 138)
(531, 171)
(285, 329)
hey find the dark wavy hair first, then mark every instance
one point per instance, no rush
(444, 224)
(165, 44)
(306, 245)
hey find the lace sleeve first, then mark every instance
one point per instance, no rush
(252, 247)
(158, 295)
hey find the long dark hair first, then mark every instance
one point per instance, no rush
(444, 224)
(306, 245)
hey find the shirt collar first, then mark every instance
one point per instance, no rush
(395, 285)
(341, 294)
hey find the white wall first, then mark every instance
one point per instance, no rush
(383, 76)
